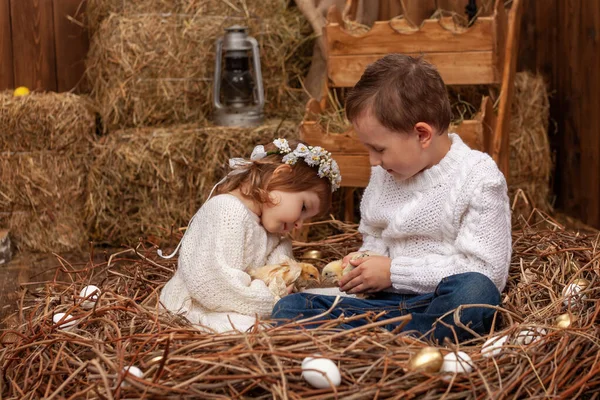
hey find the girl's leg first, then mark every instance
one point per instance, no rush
(452, 292)
(303, 305)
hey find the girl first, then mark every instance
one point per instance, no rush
(258, 202)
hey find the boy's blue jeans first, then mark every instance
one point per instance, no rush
(453, 291)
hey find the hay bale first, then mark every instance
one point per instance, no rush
(45, 141)
(98, 10)
(531, 160)
(146, 180)
(157, 69)
(43, 198)
(45, 121)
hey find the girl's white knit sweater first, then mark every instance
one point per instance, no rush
(211, 286)
(451, 218)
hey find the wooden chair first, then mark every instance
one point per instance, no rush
(485, 53)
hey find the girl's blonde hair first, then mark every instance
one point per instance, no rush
(258, 180)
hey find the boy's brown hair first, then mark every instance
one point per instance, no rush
(401, 91)
(256, 183)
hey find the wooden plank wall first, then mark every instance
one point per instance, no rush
(42, 44)
(40, 47)
(561, 39)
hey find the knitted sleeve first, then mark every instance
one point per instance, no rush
(483, 244)
(369, 229)
(281, 252)
(212, 261)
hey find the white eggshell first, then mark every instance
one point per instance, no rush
(131, 370)
(493, 346)
(528, 336)
(87, 291)
(67, 323)
(571, 294)
(316, 372)
(457, 363)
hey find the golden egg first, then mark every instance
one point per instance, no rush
(21, 91)
(315, 254)
(428, 359)
(564, 321)
(582, 283)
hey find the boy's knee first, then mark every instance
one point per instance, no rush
(476, 288)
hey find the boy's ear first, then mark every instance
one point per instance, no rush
(425, 132)
(282, 169)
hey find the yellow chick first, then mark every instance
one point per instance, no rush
(309, 277)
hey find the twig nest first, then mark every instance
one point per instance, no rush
(314, 254)
(493, 346)
(321, 373)
(90, 293)
(428, 359)
(456, 363)
(564, 321)
(66, 322)
(528, 336)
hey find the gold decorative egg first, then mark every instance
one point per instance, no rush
(428, 359)
(564, 321)
(582, 283)
(314, 254)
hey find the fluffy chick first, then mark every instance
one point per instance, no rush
(332, 273)
(279, 276)
(309, 277)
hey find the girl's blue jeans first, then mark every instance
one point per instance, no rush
(426, 309)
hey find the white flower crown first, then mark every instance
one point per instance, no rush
(312, 156)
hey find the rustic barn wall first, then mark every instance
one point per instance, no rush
(42, 48)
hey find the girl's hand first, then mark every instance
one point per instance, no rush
(290, 289)
(371, 274)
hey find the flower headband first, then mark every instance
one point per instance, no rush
(312, 156)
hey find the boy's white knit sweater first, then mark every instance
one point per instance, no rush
(210, 286)
(451, 218)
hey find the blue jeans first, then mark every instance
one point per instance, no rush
(426, 309)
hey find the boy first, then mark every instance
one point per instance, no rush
(435, 211)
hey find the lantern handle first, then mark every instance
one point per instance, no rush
(217, 80)
(257, 72)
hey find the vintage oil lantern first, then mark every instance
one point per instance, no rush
(238, 94)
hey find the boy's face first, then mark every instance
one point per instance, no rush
(289, 211)
(402, 154)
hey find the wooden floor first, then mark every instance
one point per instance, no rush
(25, 269)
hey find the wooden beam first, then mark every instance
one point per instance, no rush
(6, 56)
(33, 44)
(469, 68)
(432, 37)
(72, 43)
(501, 144)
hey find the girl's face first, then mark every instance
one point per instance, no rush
(289, 210)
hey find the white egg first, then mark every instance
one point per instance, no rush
(93, 292)
(456, 363)
(571, 295)
(68, 322)
(493, 346)
(131, 370)
(528, 336)
(320, 371)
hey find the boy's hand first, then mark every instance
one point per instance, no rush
(349, 257)
(371, 274)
